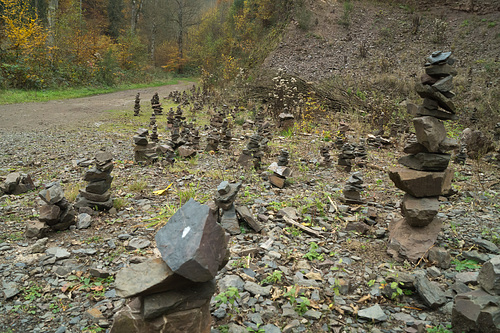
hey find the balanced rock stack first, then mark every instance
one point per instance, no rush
(170, 117)
(137, 104)
(425, 175)
(17, 183)
(226, 136)
(346, 157)
(286, 120)
(56, 211)
(325, 159)
(213, 140)
(155, 104)
(353, 188)
(252, 152)
(97, 193)
(478, 310)
(224, 199)
(172, 293)
(280, 170)
(154, 133)
(143, 150)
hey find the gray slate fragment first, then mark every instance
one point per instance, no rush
(373, 313)
(256, 289)
(83, 221)
(487, 245)
(430, 292)
(10, 289)
(58, 252)
(489, 276)
(52, 194)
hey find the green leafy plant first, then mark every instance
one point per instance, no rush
(313, 253)
(440, 329)
(462, 265)
(294, 231)
(273, 277)
(258, 330)
(303, 305)
(290, 294)
(227, 297)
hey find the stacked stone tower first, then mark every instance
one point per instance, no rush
(425, 175)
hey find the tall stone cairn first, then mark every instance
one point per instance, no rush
(155, 104)
(425, 174)
(97, 194)
(137, 104)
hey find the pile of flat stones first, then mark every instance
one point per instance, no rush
(155, 104)
(137, 104)
(56, 211)
(279, 169)
(17, 183)
(325, 159)
(172, 293)
(97, 194)
(478, 310)
(213, 140)
(253, 152)
(224, 200)
(353, 188)
(144, 152)
(425, 175)
(346, 157)
(225, 135)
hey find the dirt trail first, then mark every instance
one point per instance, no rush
(27, 117)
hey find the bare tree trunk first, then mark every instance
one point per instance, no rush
(51, 19)
(136, 8)
(154, 30)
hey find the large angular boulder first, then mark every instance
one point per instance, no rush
(476, 311)
(147, 277)
(489, 276)
(192, 243)
(421, 183)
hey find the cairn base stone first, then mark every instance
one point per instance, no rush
(410, 242)
(229, 221)
(49, 214)
(196, 320)
(421, 183)
(476, 311)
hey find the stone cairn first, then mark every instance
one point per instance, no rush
(152, 120)
(225, 135)
(425, 174)
(231, 213)
(143, 150)
(97, 194)
(346, 157)
(252, 152)
(353, 188)
(155, 104)
(154, 134)
(17, 183)
(280, 170)
(137, 104)
(172, 293)
(170, 117)
(56, 212)
(213, 140)
(325, 159)
(478, 310)
(360, 153)
(286, 120)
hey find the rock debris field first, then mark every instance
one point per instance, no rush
(307, 240)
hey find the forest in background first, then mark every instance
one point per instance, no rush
(67, 43)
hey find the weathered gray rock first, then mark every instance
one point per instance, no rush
(95, 174)
(373, 313)
(489, 276)
(430, 292)
(440, 256)
(138, 243)
(256, 289)
(229, 221)
(226, 199)
(36, 229)
(84, 221)
(195, 296)
(440, 70)
(426, 161)
(419, 212)
(230, 281)
(99, 186)
(52, 194)
(487, 245)
(96, 197)
(444, 85)
(420, 183)
(410, 242)
(10, 289)
(478, 257)
(476, 311)
(140, 140)
(132, 280)
(247, 216)
(49, 214)
(83, 202)
(18, 183)
(426, 91)
(430, 132)
(192, 243)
